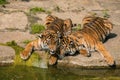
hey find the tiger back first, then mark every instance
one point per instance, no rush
(98, 26)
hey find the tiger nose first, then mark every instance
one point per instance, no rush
(52, 52)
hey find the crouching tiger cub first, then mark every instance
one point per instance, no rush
(53, 25)
(90, 38)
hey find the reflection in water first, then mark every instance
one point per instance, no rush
(33, 73)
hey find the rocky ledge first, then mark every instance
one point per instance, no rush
(7, 55)
(15, 21)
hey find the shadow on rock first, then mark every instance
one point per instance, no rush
(111, 35)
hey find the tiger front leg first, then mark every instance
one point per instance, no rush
(25, 54)
(102, 50)
(53, 59)
(85, 52)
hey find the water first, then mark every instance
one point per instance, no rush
(52, 73)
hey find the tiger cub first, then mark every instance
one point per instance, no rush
(55, 29)
(36, 44)
(67, 23)
(89, 38)
(53, 25)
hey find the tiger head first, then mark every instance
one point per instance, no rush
(49, 19)
(72, 43)
(67, 47)
(56, 29)
(66, 24)
(49, 41)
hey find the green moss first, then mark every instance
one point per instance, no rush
(12, 43)
(18, 61)
(105, 14)
(3, 2)
(37, 28)
(78, 27)
(26, 41)
(37, 10)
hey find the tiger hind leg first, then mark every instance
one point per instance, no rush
(109, 59)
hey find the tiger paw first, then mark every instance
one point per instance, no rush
(85, 53)
(88, 55)
(112, 64)
(52, 60)
(24, 56)
(61, 57)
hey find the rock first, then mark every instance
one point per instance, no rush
(96, 60)
(115, 17)
(17, 36)
(7, 55)
(14, 20)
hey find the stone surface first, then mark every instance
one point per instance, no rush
(7, 55)
(14, 20)
(17, 36)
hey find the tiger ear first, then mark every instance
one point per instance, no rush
(71, 42)
(108, 24)
(68, 23)
(59, 34)
(40, 36)
(68, 26)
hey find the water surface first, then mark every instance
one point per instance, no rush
(52, 73)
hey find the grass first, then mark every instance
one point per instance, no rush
(3, 2)
(26, 41)
(37, 28)
(105, 14)
(37, 10)
(78, 27)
